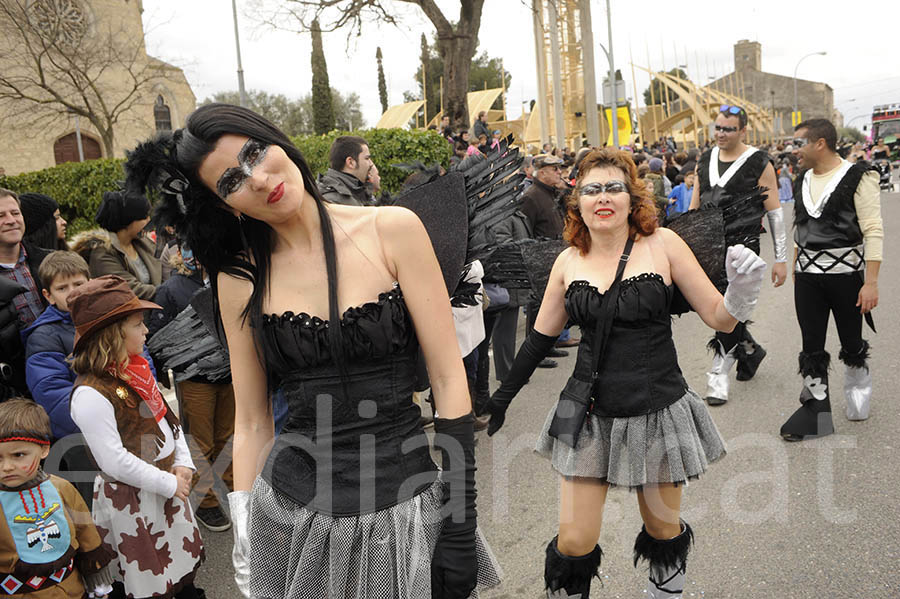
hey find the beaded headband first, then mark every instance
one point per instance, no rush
(27, 436)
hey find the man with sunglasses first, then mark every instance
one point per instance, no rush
(838, 236)
(543, 209)
(732, 168)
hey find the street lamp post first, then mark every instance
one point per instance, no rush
(237, 44)
(614, 112)
(795, 76)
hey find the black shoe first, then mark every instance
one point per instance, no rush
(213, 518)
(548, 363)
(557, 353)
(747, 364)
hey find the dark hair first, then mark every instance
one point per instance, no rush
(121, 208)
(693, 153)
(46, 236)
(817, 129)
(344, 147)
(221, 242)
(642, 219)
(741, 116)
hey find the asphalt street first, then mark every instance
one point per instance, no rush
(811, 520)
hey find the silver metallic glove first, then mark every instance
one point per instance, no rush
(779, 237)
(745, 274)
(239, 504)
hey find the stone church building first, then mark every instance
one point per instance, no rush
(774, 92)
(161, 101)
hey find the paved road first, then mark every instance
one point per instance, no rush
(813, 520)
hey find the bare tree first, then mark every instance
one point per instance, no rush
(456, 42)
(56, 62)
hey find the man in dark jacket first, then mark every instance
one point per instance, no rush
(540, 202)
(351, 167)
(22, 299)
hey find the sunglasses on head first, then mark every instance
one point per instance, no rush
(595, 189)
(728, 109)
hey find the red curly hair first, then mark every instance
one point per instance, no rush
(643, 217)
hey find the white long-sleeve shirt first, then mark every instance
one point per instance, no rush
(96, 418)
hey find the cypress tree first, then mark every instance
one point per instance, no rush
(382, 86)
(323, 111)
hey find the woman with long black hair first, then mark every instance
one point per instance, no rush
(329, 303)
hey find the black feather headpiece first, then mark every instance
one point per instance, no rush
(152, 166)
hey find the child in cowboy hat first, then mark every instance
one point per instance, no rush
(141, 494)
(49, 546)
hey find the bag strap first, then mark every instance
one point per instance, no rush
(606, 315)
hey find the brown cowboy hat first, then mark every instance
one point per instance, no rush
(101, 302)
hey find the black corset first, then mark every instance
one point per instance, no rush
(355, 444)
(639, 371)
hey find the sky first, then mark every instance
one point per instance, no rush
(198, 36)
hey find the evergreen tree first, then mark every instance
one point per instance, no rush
(382, 86)
(322, 109)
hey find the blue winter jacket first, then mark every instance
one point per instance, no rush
(48, 341)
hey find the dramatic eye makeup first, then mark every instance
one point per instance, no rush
(252, 154)
(594, 189)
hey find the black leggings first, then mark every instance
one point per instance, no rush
(817, 295)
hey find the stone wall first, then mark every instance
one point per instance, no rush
(29, 146)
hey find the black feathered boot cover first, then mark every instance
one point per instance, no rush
(749, 355)
(667, 559)
(813, 418)
(570, 577)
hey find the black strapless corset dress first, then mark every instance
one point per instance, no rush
(646, 425)
(349, 501)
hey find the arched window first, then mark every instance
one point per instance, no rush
(162, 115)
(66, 148)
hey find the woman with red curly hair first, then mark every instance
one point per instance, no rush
(626, 416)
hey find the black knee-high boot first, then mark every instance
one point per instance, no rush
(813, 418)
(570, 577)
(749, 355)
(667, 560)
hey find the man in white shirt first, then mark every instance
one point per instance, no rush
(837, 255)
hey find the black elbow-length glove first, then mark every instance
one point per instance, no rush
(454, 566)
(534, 349)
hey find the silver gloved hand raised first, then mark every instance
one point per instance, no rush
(239, 505)
(745, 272)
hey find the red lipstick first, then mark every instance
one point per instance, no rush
(276, 193)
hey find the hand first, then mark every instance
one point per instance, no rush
(497, 410)
(454, 573)
(184, 476)
(239, 506)
(745, 272)
(101, 592)
(375, 179)
(868, 297)
(779, 273)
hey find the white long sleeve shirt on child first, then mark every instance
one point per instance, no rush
(96, 418)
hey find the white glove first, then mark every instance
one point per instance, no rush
(239, 505)
(745, 275)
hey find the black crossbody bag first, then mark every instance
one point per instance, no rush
(575, 401)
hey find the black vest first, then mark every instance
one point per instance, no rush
(746, 178)
(837, 226)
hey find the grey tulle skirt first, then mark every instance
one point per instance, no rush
(672, 445)
(296, 553)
